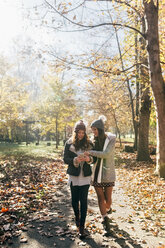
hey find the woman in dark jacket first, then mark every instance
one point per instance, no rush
(79, 171)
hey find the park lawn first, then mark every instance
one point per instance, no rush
(36, 151)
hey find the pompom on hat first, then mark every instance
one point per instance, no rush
(79, 126)
(99, 123)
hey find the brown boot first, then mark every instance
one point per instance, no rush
(106, 224)
(109, 211)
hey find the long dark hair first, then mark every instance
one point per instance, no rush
(81, 144)
(100, 140)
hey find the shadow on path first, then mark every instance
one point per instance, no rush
(122, 238)
(53, 227)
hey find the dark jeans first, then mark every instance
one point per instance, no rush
(80, 194)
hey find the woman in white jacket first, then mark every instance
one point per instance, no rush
(103, 177)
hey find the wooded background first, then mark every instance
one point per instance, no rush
(116, 69)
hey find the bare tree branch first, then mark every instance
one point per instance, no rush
(94, 69)
(96, 25)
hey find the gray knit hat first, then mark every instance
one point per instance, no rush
(99, 123)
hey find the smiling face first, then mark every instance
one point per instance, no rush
(80, 134)
(95, 131)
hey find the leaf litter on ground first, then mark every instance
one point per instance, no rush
(27, 189)
(30, 187)
(146, 192)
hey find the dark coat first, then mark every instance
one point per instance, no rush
(68, 159)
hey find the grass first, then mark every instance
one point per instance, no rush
(127, 139)
(31, 150)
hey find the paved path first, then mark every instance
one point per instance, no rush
(54, 227)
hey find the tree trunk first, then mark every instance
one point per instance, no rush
(56, 131)
(136, 126)
(26, 132)
(38, 136)
(157, 81)
(143, 146)
(117, 127)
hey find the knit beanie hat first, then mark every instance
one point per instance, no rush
(79, 126)
(99, 123)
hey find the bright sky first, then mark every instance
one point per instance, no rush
(14, 23)
(10, 22)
